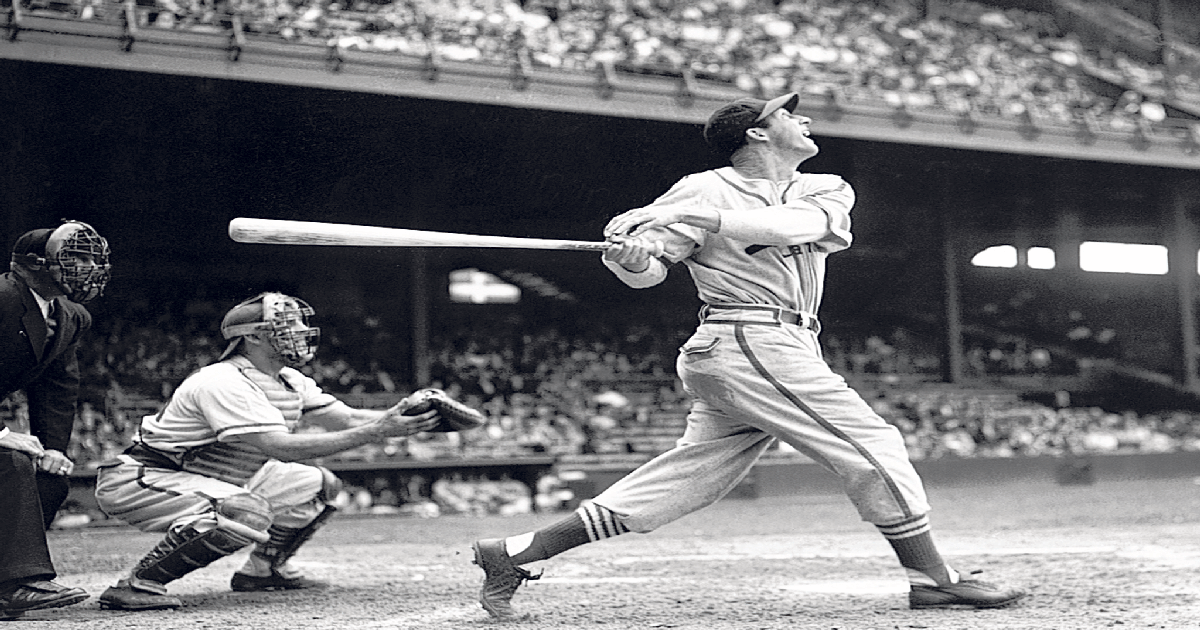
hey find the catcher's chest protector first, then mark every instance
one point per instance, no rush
(235, 462)
(279, 392)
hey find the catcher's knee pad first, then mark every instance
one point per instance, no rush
(247, 515)
(331, 486)
(240, 520)
(285, 541)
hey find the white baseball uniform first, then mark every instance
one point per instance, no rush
(754, 366)
(183, 459)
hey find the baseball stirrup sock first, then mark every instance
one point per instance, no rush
(586, 524)
(912, 540)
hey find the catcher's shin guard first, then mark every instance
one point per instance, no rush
(241, 520)
(285, 541)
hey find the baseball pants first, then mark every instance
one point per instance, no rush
(755, 381)
(156, 499)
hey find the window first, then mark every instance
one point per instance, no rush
(996, 256)
(1040, 258)
(1137, 258)
(1123, 258)
(472, 286)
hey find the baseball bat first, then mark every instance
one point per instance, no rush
(280, 232)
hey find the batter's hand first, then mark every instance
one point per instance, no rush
(55, 463)
(635, 222)
(632, 253)
(23, 442)
(394, 423)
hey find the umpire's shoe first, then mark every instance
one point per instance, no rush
(966, 593)
(501, 577)
(139, 595)
(37, 595)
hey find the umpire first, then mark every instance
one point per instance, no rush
(53, 271)
(42, 320)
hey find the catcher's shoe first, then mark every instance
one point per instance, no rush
(125, 596)
(501, 577)
(966, 593)
(244, 583)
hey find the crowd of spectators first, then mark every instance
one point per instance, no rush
(593, 394)
(968, 57)
(601, 391)
(939, 422)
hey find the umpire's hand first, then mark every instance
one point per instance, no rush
(55, 463)
(23, 442)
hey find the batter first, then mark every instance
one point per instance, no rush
(755, 236)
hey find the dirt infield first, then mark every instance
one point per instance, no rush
(1117, 554)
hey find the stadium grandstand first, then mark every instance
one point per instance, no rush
(998, 149)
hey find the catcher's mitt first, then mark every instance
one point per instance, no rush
(454, 415)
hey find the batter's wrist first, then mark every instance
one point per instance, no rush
(644, 268)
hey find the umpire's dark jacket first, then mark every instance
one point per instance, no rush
(47, 372)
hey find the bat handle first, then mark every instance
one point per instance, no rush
(659, 248)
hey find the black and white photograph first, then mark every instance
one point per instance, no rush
(621, 314)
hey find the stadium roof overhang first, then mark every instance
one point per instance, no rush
(620, 94)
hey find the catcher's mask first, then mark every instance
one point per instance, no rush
(285, 318)
(73, 255)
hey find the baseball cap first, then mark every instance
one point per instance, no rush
(725, 130)
(33, 243)
(240, 320)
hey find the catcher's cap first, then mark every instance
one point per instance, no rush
(725, 130)
(240, 320)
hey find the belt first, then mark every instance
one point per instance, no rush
(760, 314)
(151, 457)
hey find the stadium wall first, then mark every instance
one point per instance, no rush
(787, 478)
(774, 477)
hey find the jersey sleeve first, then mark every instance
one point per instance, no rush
(679, 240)
(815, 209)
(317, 405)
(833, 196)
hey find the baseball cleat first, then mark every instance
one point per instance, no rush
(501, 578)
(244, 583)
(124, 596)
(965, 593)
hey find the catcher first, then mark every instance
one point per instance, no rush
(217, 468)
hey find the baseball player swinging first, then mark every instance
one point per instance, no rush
(216, 469)
(755, 236)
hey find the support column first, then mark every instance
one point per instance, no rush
(1068, 235)
(1183, 246)
(954, 357)
(420, 316)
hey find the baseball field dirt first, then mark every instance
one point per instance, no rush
(1115, 554)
